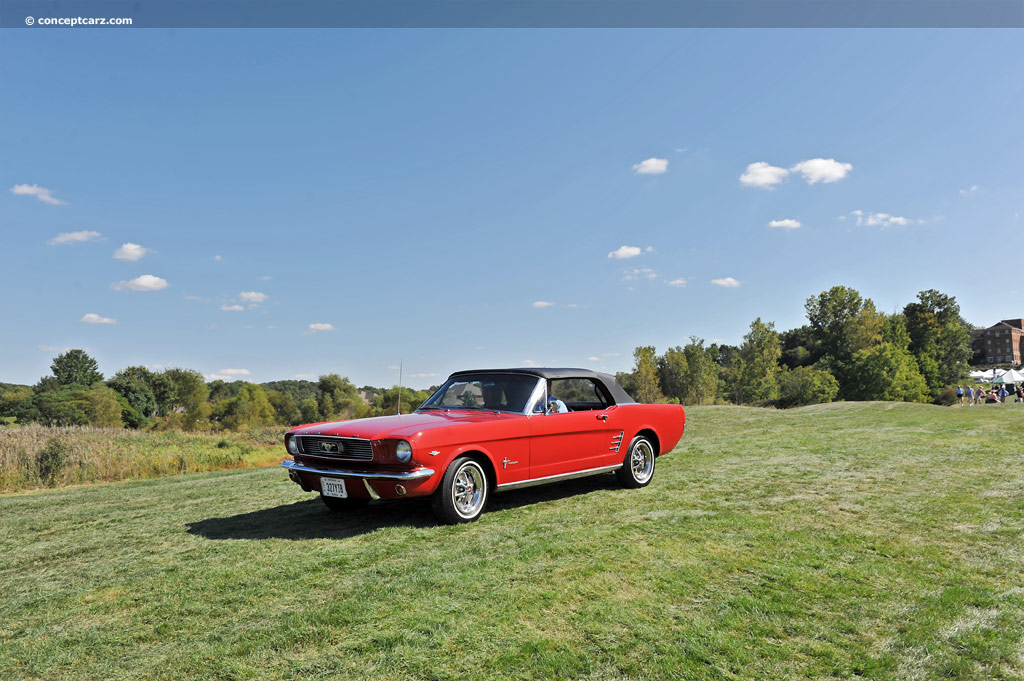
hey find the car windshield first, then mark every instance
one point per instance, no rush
(497, 392)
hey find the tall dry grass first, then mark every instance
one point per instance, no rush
(41, 456)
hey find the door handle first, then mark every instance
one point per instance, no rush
(602, 417)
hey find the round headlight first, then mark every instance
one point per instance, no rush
(293, 446)
(403, 450)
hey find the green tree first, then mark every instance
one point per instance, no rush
(758, 369)
(939, 338)
(309, 410)
(799, 347)
(843, 323)
(885, 372)
(14, 401)
(645, 373)
(191, 397)
(250, 408)
(701, 372)
(136, 391)
(338, 399)
(830, 313)
(284, 407)
(104, 408)
(67, 406)
(672, 373)
(386, 401)
(75, 367)
(806, 385)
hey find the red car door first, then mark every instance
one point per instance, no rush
(566, 443)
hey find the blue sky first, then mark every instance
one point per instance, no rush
(457, 198)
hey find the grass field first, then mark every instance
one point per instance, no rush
(837, 541)
(34, 456)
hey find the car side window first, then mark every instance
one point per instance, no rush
(579, 394)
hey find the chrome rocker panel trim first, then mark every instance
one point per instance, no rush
(556, 478)
(362, 475)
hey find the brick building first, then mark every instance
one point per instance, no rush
(1002, 343)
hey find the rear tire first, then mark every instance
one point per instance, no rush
(638, 466)
(463, 492)
(349, 504)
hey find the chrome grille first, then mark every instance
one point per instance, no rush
(345, 448)
(616, 442)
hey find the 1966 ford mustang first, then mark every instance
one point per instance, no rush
(486, 431)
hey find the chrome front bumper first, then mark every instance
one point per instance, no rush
(417, 474)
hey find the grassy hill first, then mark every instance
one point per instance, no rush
(837, 541)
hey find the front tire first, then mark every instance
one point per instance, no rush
(349, 504)
(463, 492)
(638, 466)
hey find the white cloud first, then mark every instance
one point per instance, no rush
(823, 170)
(763, 175)
(593, 359)
(882, 220)
(572, 306)
(623, 252)
(42, 193)
(74, 237)
(265, 277)
(235, 372)
(679, 283)
(727, 282)
(680, 150)
(423, 375)
(217, 258)
(232, 308)
(320, 326)
(530, 363)
(252, 296)
(306, 376)
(540, 304)
(93, 318)
(652, 166)
(786, 224)
(639, 273)
(609, 354)
(130, 251)
(973, 189)
(50, 348)
(147, 282)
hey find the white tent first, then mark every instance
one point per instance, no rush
(1010, 376)
(984, 376)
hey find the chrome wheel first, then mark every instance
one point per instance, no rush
(638, 466)
(462, 494)
(468, 490)
(641, 461)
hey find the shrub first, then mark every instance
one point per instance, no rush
(51, 460)
(946, 398)
(806, 385)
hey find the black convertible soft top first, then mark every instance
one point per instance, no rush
(607, 380)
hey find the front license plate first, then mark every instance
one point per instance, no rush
(330, 487)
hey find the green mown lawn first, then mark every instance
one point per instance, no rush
(838, 541)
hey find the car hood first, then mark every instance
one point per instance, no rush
(402, 426)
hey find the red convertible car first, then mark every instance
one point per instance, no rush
(482, 432)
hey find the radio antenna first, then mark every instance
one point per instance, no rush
(401, 363)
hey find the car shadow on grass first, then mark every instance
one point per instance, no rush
(310, 519)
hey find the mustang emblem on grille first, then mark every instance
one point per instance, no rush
(330, 447)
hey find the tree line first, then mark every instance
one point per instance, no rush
(847, 350)
(76, 393)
